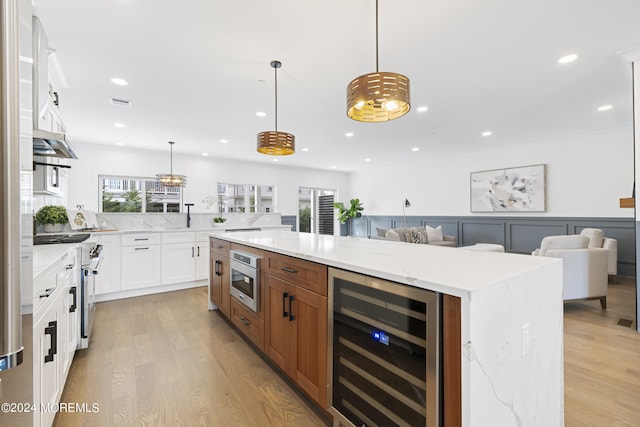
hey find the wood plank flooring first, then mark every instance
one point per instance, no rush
(602, 361)
(165, 360)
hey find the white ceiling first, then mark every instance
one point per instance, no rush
(194, 70)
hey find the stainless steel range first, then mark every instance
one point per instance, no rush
(90, 261)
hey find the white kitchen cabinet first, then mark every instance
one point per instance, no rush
(141, 264)
(185, 257)
(202, 256)
(109, 277)
(55, 332)
(47, 365)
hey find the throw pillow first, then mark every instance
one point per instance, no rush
(392, 235)
(401, 234)
(434, 234)
(381, 232)
(417, 236)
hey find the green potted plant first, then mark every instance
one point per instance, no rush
(347, 214)
(52, 217)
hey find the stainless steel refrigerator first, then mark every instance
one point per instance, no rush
(16, 270)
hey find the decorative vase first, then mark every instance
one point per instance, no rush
(53, 228)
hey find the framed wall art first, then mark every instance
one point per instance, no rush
(517, 189)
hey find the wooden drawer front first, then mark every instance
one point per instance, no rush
(248, 323)
(136, 239)
(220, 246)
(305, 274)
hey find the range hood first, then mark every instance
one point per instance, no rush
(45, 117)
(51, 144)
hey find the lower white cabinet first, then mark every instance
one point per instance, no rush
(56, 326)
(202, 256)
(109, 278)
(141, 261)
(185, 257)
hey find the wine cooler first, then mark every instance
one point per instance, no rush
(384, 342)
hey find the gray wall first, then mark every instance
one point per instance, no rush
(517, 234)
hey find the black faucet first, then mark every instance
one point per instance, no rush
(188, 205)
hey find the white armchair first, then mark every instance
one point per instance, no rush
(584, 269)
(597, 240)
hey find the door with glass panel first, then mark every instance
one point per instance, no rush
(315, 210)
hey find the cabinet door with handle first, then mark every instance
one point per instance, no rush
(219, 283)
(279, 298)
(140, 266)
(296, 334)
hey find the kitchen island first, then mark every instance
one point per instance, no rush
(510, 350)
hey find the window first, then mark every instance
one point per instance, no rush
(135, 194)
(248, 198)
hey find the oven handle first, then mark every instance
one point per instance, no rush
(284, 299)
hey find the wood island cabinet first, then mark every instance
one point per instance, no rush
(296, 323)
(219, 275)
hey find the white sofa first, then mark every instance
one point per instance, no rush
(425, 235)
(584, 269)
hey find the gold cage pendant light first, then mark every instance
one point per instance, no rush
(380, 96)
(171, 180)
(275, 143)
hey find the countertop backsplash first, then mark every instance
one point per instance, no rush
(172, 221)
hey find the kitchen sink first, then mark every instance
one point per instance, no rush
(47, 239)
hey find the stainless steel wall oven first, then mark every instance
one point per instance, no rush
(245, 278)
(384, 352)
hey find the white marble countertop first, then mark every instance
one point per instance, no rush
(453, 271)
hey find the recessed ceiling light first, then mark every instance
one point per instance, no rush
(305, 149)
(119, 125)
(605, 107)
(367, 159)
(333, 167)
(487, 133)
(224, 141)
(120, 144)
(119, 82)
(422, 109)
(205, 154)
(261, 114)
(567, 59)
(415, 149)
(348, 134)
(275, 160)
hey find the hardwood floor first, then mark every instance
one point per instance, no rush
(602, 361)
(165, 360)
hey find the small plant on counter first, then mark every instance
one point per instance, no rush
(52, 214)
(219, 219)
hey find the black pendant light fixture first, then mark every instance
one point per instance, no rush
(275, 143)
(169, 179)
(379, 96)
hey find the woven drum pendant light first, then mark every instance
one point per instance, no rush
(379, 96)
(171, 180)
(276, 143)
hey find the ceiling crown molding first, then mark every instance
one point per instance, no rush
(631, 54)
